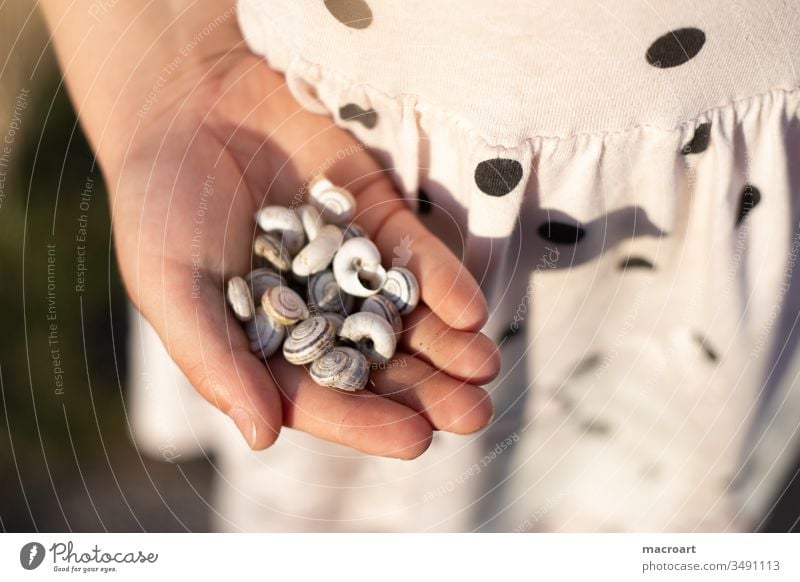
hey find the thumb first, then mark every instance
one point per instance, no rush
(211, 349)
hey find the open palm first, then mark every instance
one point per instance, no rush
(224, 138)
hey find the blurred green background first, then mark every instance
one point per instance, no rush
(66, 460)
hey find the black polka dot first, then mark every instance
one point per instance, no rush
(676, 48)
(586, 365)
(424, 205)
(560, 233)
(352, 112)
(749, 199)
(709, 351)
(636, 263)
(595, 427)
(651, 471)
(700, 140)
(513, 329)
(352, 13)
(498, 177)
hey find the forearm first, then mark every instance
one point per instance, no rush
(121, 57)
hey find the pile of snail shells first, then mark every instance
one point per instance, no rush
(320, 292)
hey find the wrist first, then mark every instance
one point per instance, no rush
(123, 62)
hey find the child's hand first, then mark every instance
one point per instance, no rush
(214, 142)
(192, 130)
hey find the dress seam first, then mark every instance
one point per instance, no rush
(422, 103)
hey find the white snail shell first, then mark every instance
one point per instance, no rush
(372, 336)
(265, 335)
(262, 279)
(336, 204)
(343, 368)
(354, 230)
(283, 223)
(357, 267)
(336, 319)
(402, 288)
(383, 306)
(311, 219)
(318, 254)
(324, 294)
(270, 248)
(308, 340)
(284, 305)
(240, 299)
(318, 246)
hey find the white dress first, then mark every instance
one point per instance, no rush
(626, 180)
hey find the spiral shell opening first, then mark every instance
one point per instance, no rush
(372, 335)
(314, 265)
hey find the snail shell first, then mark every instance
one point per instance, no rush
(336, 319)
(342, 368)
(318, 254)
(336, 205)
(354, 230)
(308, 340)
(240, 299)
(311, 219)
(265, 335)
(270, 248)
(372, 335)
(357, 267)
(285, 225)
(325, 295)
(284, 305)
(402, 288)
(262, 279)
(383, 306)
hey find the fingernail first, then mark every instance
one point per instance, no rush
(244, 422)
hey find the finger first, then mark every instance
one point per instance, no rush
(210, 347)
(445, 402)
(471, 357)
(303, 145)
(364, 421)
(446, 286)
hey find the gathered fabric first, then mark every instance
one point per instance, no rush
(624, 182)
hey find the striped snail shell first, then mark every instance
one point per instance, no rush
(325, 295)
(270, 248)
(262, 279)
(402, 288)
(383, 306)
(318, 254)
(240, 298)
(336, 319)
(285, 225)
(343, 368)
(336, 205)
(284, 305)
(265, 335)
(354, 230)
(308, 340)
(311, 219)
(372, 336)
(357, 267)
